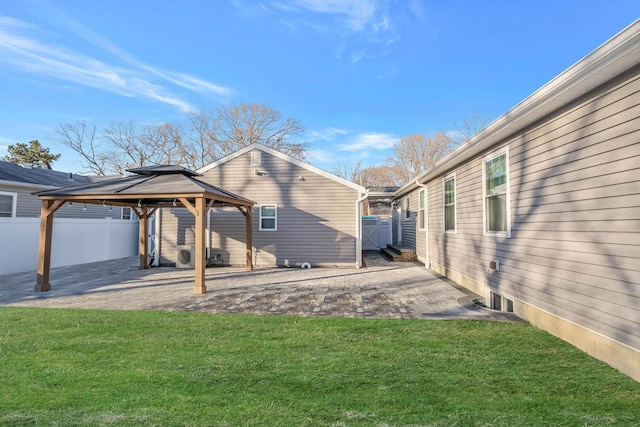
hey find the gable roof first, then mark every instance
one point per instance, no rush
(286, 158)
(39, 177)
(612, 58)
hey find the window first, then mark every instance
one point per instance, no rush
(126, 212)
(7, 205)
(407, 212)
(498, 302)
(256, 158)
(449, 185)
(268, 217)
(421, 211)
(496, 194)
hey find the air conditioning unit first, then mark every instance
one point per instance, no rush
(186, 256)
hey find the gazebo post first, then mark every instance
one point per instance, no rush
(143, 248)
(47, 210)
(249, 238)
(199, 286)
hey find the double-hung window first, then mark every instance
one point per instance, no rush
(7, 205)
(422, 201)
(495, 189)
(268, 217)
(127, 213)
(449, 187)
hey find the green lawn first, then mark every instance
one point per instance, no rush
(87, 367)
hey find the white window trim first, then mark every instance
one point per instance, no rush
(407, 209)
(275, 217)
(14, 202)
(485, 159)
(455, 204)
(423, 226)
(132, 215)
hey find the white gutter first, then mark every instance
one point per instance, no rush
(362, 197)
(427, 261)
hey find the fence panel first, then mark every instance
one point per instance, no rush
(75, 241)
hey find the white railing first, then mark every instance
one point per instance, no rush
(75, 241)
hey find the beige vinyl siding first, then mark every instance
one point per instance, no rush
(412, 236)
(395, 217)
(316, 216)
(575, 212)
(409, 224)
(28, 206)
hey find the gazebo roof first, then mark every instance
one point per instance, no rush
(149, 189)
(153, 186)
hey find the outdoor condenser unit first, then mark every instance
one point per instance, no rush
(185, 257)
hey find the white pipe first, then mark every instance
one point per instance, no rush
(427, 261)
(158, 221)
(208, 236)
(362, 197)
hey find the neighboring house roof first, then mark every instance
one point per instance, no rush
(275, 153)
(382, 191)
(39, 177)
(614, 57)
(154, 185)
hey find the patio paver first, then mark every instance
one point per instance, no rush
(381, 290)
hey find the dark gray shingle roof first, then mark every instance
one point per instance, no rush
(40, 176)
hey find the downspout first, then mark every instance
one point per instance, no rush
(362, 197)
(427, 261)
(157, 226)
(208, 236)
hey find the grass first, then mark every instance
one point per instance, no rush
(88, 367)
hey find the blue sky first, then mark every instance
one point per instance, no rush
(357, 74)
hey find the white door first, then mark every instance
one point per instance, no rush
(385, 235)
(151, 241)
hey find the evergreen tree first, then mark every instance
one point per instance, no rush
(33, 154)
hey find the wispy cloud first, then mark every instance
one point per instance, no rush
(362, 29)
(319, 155)
(23, 47)
(327, 134)
(376, 141)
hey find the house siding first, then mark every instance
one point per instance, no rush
(28, 205)
(575, 216)
(316, 216)
(412, 236)
(409, 224)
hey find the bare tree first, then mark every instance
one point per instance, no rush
(168, 143)
(469, 126)
(380, 176)
(349, 171)
(240, 125)
(203, 146)
(209, 136)
(81, 138)
(416, 153)
(127, 148)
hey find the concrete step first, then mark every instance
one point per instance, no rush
(392, 255)
(404, 254)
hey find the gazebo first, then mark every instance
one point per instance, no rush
(149, 189)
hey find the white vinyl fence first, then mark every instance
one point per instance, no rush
(75, 241)
(376, 233)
